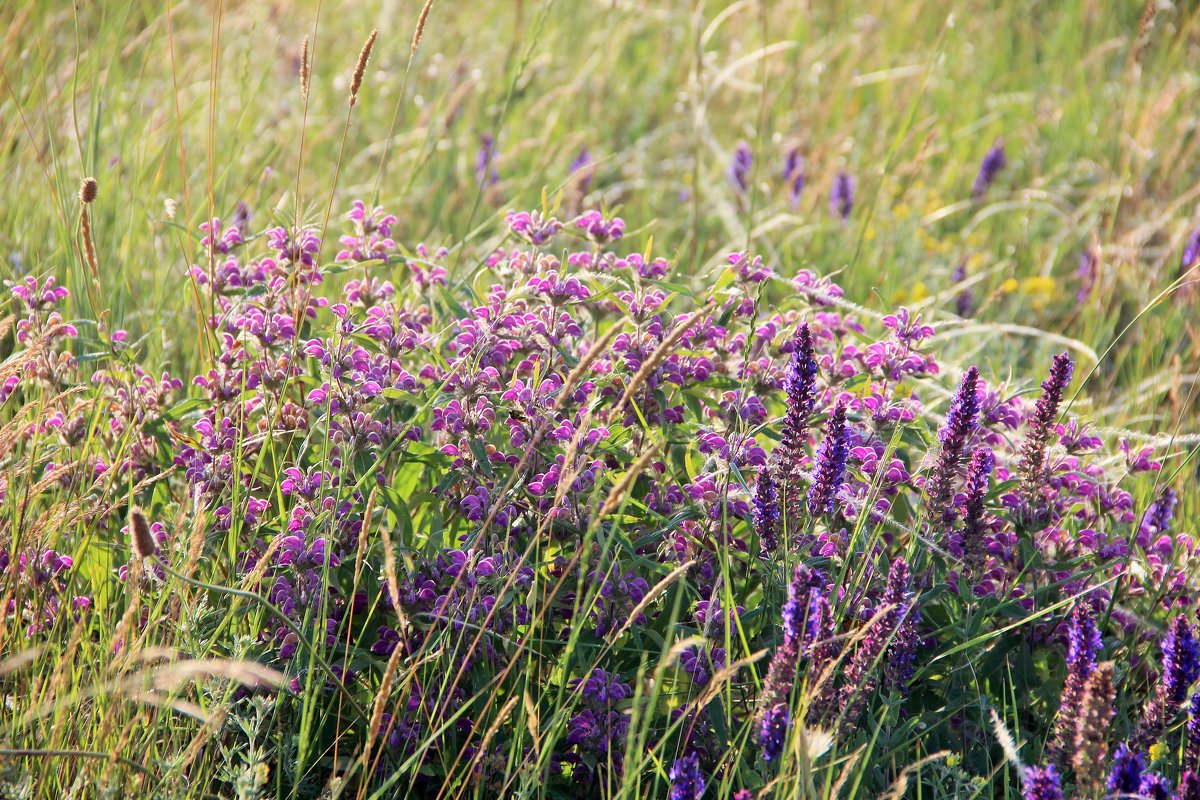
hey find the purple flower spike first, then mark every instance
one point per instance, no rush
(1191, 750)
(1041, 783)
(485, 163)
(581, 169)
(773, 730)
(766, 511)
(687, 780)
(1191, 251)
(1154, 786)
(841, 199)
(831, 464)
(895, 611)
(739, 168)
(1181, 662)
(1084, 641)
(1125, 777)
(960, 424)
(1041, 428)
(793, 176)
(974, 509)
(1189, 786)
(993, 161)
(800, 383)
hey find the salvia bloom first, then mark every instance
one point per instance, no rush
(1088, 273)
(1125, 777)
(739, 168)
(975, 526)
(841, 199)
(485, 163)
(1041, 783)
(1041, 428)
(1180, 668)
(831, 464)
(687, 780)
(1189, 786)
(894, 609)
(802, 616)
(1083, 644)
(1191, 251)
(800, 385)
(1191, 751)
(773, 730)
(793, 176)
(1181, 662)
(582, 170)
(953, 437)
(993, 161)
(1090, 745)
(964, 301)
(1154, 786)
(766, 511)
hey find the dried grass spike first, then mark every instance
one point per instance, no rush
(421, 24)
(304, 68)
(88, 189)
(140, 537)
(361, 67)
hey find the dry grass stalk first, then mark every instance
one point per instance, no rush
(304, 75)
(360, 68)
(421, 25)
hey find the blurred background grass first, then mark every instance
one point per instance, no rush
(197, 105)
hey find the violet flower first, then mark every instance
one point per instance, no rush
(1153, 786)
(687, 779)
(582, 170)
(739, 168)
(895, 606)
(793, 176)
(1191, 736)
(773, 730)
(841, 198)
(964, 301)
(1125, 777)
(1191, 251)
(485, 163)
(1041, 783)
(1189, 786)
(993, 161)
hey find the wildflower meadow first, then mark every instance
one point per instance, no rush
(549, 399)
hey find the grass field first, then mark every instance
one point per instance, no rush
(450, 500)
